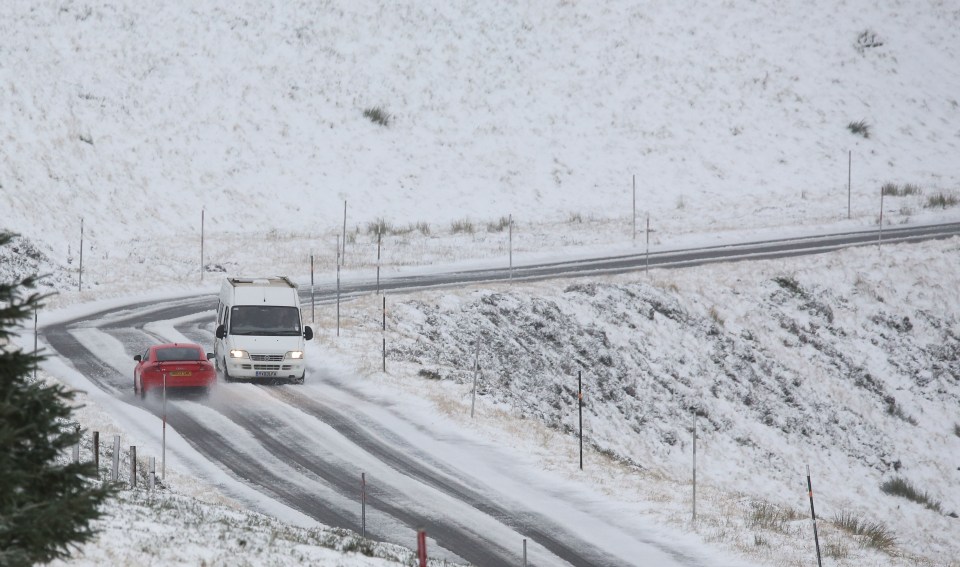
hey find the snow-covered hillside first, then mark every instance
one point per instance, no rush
(133, 115)
(846, 363)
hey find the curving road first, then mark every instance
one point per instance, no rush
(305, 445)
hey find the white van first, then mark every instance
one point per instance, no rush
(259, 330)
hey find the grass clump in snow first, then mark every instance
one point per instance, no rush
(766, 516)
(894, 190)
(894, 409)
(462, 225)
(378, 115)
(429, 374)
(835, 549)
(941, 200)
(899, 486)
(871, 534)
(379, 226)
(790, 284)
(868, 39)
(860, 128)
(715, 316)
(499, 225)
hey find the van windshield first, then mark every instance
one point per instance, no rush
(265, 320)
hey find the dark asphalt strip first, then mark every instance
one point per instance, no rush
(397, 453)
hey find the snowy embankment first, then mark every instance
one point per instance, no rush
(846, 362)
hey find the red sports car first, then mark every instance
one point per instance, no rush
(185, 365)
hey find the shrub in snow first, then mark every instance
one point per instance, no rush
(899, 486)
(378, 115)
(861, 128)
(867, 40)
(941, 200)
(872, 534)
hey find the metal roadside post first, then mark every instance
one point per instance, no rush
(363, 505)
(694, 519)
(96, 452)
(133, 466)
(80, 281)
(344, 251)
(383, 331)
(647, 263)
(379, 238)
(813, 516)
(35, 338)
(634, 210)
(163, 458)
(476, 375)
(115, 473)
(510, 226)
(580, 411)
(338, 278)
(880, 234)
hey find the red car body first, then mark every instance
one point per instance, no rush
(183, 365)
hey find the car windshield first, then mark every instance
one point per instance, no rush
(178, 353)
(265, 320)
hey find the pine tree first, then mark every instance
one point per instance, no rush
(47, 503)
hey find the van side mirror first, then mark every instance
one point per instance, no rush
(308, 333)
(137, 357)
(221, 331)
(210, 356)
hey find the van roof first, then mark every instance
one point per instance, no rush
(277, 290)
(275, 281)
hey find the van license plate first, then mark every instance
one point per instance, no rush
(265, 373)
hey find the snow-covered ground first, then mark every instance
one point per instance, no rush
(734, 118)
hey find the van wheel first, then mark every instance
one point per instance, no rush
(226, 373)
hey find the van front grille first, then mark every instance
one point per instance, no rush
(266, 357)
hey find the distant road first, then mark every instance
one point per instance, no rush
(273, 438)
(764, 249)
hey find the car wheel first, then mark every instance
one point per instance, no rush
(226, 373)
(143, 391)
(300, 379)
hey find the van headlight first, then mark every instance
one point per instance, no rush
(295, 354)
(237, 353)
